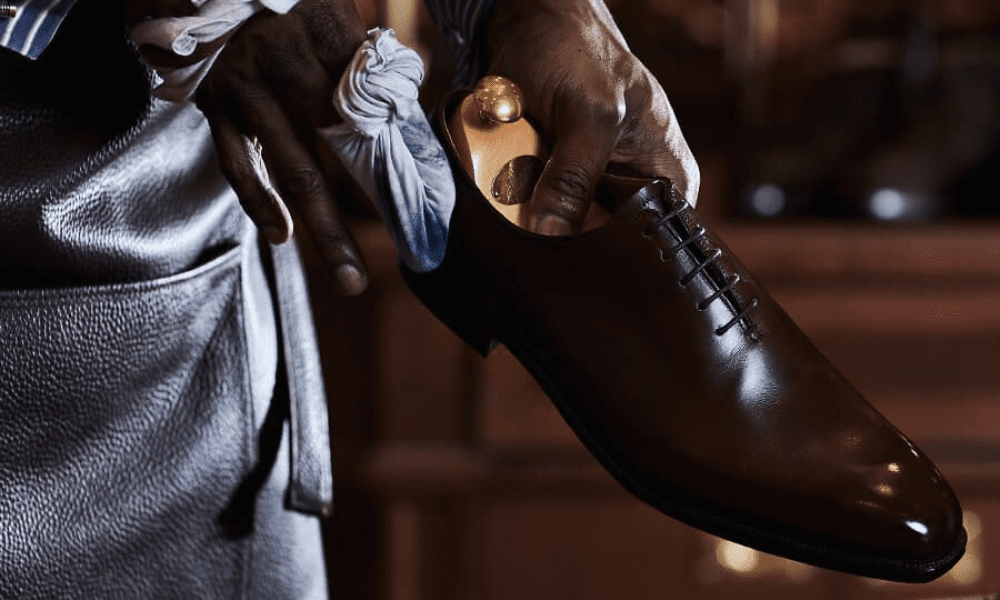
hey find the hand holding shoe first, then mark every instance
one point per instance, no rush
(593, 96)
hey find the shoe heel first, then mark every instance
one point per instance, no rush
(460, 313)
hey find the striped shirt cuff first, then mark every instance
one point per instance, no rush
(462, 21)
(36, 22)
(31, 29)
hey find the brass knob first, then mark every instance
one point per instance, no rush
(499, 100)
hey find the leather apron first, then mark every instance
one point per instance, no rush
(163, 428)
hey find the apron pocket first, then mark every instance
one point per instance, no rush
(125, 427)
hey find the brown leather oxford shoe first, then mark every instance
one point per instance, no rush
(692, 387)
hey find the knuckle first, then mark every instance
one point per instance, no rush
(334, 241)
(608, 111)
(279, 68)
(303, 182)
(326, 229)
(241, 172)
(572, 184)
(335, 244)
(601, 107)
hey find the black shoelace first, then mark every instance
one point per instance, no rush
(692, 238)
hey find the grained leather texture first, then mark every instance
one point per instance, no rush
(128, 434)
(144, 449)
(99, 183)
(706, 402)
(93, 478)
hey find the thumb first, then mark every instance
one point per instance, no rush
(566, 186)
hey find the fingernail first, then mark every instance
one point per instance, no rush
(552, 225)
(350, 280)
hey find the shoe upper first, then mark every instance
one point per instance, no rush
(694, 388)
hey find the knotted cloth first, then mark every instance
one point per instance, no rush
(387, 145)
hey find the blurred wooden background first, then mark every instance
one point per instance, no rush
(457, 480)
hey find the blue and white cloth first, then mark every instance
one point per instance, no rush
(388, 147)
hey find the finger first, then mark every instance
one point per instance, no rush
(301, 181)
(566, 187)
(303, 86)
(660, 150)
(257, 196)
(654, 145)
(336, 32)
(336, 245)
(681, 166)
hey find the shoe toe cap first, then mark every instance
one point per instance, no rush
(920, 516)
(903, 526)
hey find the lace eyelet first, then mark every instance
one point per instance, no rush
(692, 239)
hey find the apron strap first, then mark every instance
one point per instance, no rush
(310, 488)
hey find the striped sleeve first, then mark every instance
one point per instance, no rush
(31, 26)
(462, 21)
(34, 23)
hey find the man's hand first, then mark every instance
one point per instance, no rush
(274, 81)
(599, 102)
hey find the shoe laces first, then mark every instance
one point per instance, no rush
(689, 241)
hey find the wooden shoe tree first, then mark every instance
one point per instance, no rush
(502, 152)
